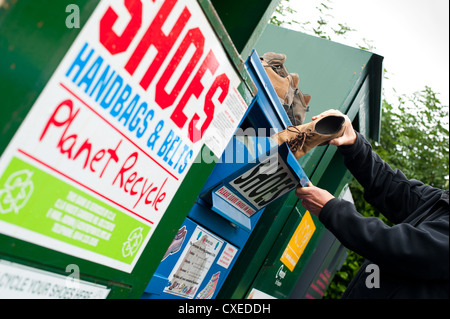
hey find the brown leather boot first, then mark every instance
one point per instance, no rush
(278, 75)
(294, 102)
(302, 138)
(299, 103)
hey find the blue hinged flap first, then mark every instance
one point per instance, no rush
(255, 185)
(223, 208)
(269, 101)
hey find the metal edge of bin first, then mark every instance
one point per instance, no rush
(260, 77)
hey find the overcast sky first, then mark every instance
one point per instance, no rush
(411, 35)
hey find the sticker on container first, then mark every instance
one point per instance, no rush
(194, 263)
(22, 282)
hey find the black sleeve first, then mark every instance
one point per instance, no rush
(387, 189)
(421, 251)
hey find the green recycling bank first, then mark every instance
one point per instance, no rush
(113, 178)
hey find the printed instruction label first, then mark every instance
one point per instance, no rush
(299, 241)
(23, 282)
(227, 256)
(194, 263)
(233, 199)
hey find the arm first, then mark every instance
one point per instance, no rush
(420, 251)
(403, 249)
(385, 188)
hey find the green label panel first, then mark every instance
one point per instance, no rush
(39, 202)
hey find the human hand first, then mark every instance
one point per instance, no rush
(313, 198)
(349, 136)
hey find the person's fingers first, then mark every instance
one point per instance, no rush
(337, 141)
(300, 191)
(327, 113)
(303, 191)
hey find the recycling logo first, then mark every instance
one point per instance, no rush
(16, 191)
(130, 247)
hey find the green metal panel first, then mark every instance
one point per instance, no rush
(245, 20)
(223, 33)
(322, 266)
(268, 279)
(33, 40)
(258, 246)
(336, 76)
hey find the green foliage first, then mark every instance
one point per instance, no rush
(416, 137)
(321, 27)
(283, 15)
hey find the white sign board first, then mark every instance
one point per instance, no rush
(22, 282)
(105, 147)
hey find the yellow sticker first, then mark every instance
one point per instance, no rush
(298, 242)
